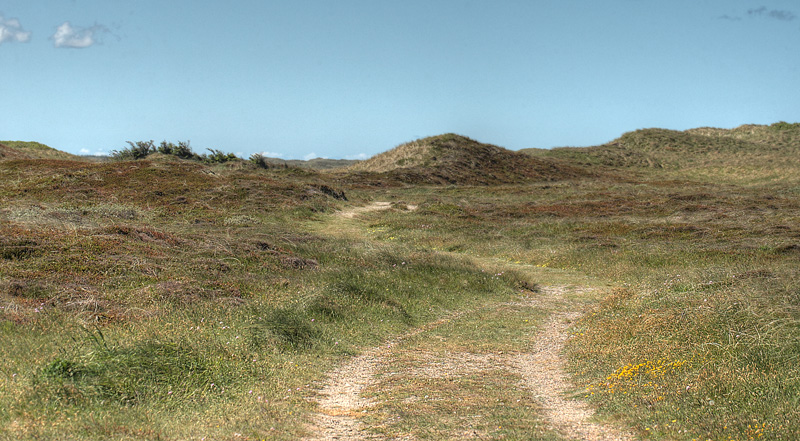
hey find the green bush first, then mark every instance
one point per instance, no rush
(217, 157)
(181, 150)
(137, 150)
(142, 149)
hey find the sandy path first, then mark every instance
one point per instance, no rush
(340, 402)
(375, 206)
(542, 370)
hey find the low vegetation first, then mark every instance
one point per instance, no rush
(143, 149)
(211, 302)
(31, 150)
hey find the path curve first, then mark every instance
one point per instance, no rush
(542, 370)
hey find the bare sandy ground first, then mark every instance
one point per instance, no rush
(375, 206)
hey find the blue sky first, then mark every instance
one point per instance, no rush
(352, 78)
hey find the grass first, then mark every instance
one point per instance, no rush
(212, 303)
(186, 366)
(452, 159)
(455, 380)
(706, 298)
(31, 149)
(206, 307)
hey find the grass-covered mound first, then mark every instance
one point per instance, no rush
(710, 153)
(30, 150)
(455, 159)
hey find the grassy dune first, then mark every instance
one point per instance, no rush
(31, 150)
(210, 301)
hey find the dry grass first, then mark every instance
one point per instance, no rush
(412, 154)
(31, 150)
(453, 159)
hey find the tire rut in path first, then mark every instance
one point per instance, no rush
(543, 374)
(341, 400)
(341, 403)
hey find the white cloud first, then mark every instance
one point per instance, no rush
(11, 30)
(272, 154)
(360, 156)
(310, 156)
(74, 37)
(84, 151)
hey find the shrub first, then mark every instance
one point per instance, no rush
(783, 125)
(260, 160)
(142, 149)
(217, 157)
(181, 150)
(137, 150)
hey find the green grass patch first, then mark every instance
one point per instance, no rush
(457, 380)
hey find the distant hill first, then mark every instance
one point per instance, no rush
(747, 145)
(456, 159)
(31, 150)
(316, 163)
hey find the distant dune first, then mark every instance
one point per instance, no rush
(455, 159)
(754, 145)
(31, 150)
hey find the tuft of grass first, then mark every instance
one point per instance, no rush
(135, 373)
(285, 329)
(350, 292)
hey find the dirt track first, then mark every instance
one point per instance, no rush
(542, 369)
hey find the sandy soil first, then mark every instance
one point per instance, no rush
(375, 206)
